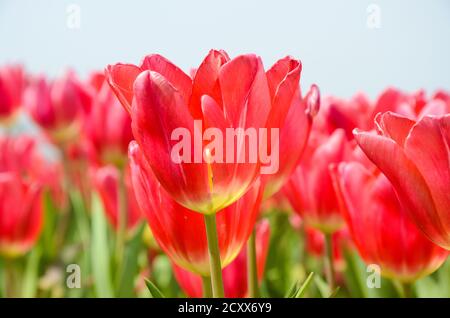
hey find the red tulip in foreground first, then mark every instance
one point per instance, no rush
(235, 274)
(415, 157)
(20, 214)
(226, 97)
(181, 232)
(107, 182)
(380, 226)
(12, 83)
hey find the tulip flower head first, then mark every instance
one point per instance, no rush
(107, 182)
(20, 214)
(380, 226)
(56, 107)
(310, 189)
(12, 83)
(337, 113)
(209, 137)
(414, 156)
(108, 125)
(21, 155)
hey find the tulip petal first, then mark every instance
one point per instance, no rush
(349, 179)
(428, 146)
(286, 88)
(245, 93)
(180, 80)
(380, 228)
(410, 186)
(121, 78)
(206, 81)
(159, 109)
(394, 126)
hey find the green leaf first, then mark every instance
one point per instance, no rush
(322, 286)
(81, 217)
(154, 291)
(292, 291)
(48, 232)
(304, 286)
(100, 251)
(31, 274)
(354, 275)
(335, 292)
(131, 265)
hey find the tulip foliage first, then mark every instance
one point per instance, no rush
(228, 181)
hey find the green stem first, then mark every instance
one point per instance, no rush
(329, 264)
(407, 290)
(122, 222)
(206, 285)
(252, 271)
(214, 256)
(63, 221)
(10, 279)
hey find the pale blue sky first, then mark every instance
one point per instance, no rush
(339, 52)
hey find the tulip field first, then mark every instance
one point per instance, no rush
(231, 179)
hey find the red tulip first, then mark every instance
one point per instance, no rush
(161, 98)
(439, 104)
(235, 274)
(443, 96)
(359, 112)
(345, 114)
(107, 183)
(310, 189)
(108, 125)
(394, 100)
(181, 232)
(380, 227)
(19, 154)
(12, 82)
(415, 157)
(57, 107)
(20, 214)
